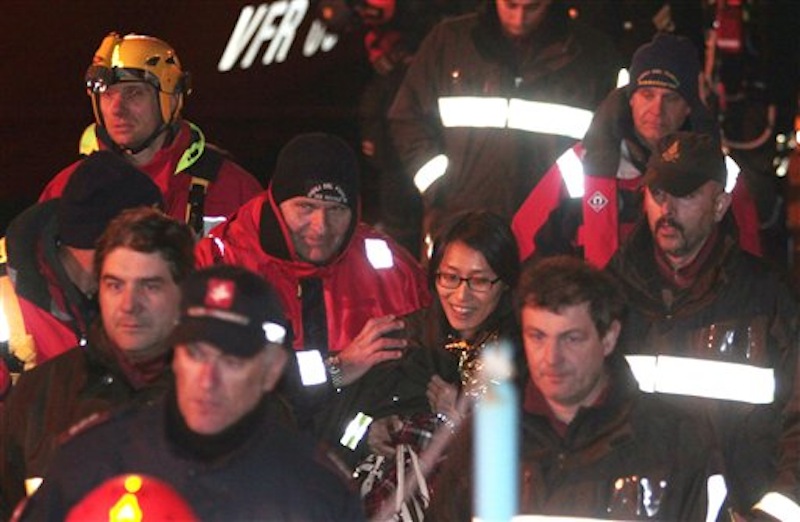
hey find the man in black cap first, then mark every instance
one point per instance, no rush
(590, 199)
(217, 438)
(344, 285)
(712, 327)
(48, 287)
(140, 260)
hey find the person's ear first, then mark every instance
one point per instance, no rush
(275, 360)
(722, 202)
(610, 338)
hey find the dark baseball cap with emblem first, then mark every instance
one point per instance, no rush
(232, 308)
(684, 162)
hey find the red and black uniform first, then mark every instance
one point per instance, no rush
(54, 314)
(590, 199)
(327, 305)
(720, 338)
(479, 98)
(184, 161)
(49, 399)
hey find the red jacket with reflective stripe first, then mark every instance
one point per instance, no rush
(354, 290)
(233, 186)
(600, 234)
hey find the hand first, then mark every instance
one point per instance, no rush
(379, 436)
(443, 396)
(371, 346)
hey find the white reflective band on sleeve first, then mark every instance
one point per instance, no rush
(571, 169)
(779, 506)
(733, 169)
(378, 253)
(430, 172)
(473, 111)
(717, 491)
(312, 368)
(703, 378)
(355, 430)
(623, 77)
(548, 118)
(514, 113)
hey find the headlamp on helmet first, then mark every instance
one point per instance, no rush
(138, 58)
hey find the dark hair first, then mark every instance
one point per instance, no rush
(149, 230)
(558, 282)
(485, 232)
(488, 234)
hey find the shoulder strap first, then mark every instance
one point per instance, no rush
(204, 171)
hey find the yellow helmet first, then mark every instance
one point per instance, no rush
(136, 57)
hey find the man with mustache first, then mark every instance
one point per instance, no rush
(714, 328)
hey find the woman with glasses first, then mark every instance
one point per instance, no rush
(472, 271)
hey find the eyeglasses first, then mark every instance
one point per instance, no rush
(453, 281)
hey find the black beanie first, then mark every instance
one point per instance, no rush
(318, 166)
(670, 62)
(102, 186)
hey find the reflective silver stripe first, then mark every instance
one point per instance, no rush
(430, 172)
(514, 113)
(355, 430)
(779, 506)
(473, 111)
(703, 378)
(717, 491)
(548, 118)
(378, 253)
(312, 367)
(733, 170)
(571, 168)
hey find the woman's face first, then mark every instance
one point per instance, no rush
(465, 307)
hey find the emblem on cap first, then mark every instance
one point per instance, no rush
(672, 153)
(220, 293)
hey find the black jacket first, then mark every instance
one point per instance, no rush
(258, 469)
(52, 397)
(628, 443)
(736, 311)
(468, 56)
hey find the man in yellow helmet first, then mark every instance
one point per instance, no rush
(137, 86)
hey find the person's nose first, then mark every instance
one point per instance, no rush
(131, 299)
(551, 353)
(115, 103)
(319, 221)
(208, 375)
(667, 205)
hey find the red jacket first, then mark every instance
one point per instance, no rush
(354, 290)
(600, 231)
(52, 315)
(232, 187)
